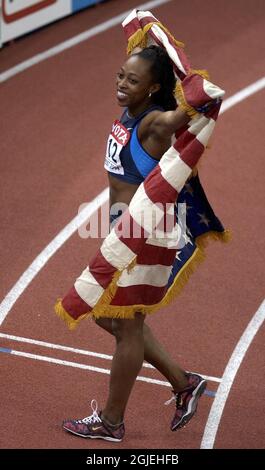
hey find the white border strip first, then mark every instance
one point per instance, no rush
(63, 46)
(254, 325)
(79, 351)
(230, 372)
(82, 217)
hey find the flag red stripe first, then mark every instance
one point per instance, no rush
(183, 141)
(166, 193)
(137, 234)
(74, 305)
(135, 25)
(101, 270)
(194, 92)
(140, 294)
(191, 154)
(151, 254)
(131, 28)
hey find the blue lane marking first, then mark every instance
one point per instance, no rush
(209, 393)
(5, 350)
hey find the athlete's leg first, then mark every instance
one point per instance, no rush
(155, 354)
(126, 363)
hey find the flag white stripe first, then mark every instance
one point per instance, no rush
(204, 135)
(144, 211)
(212, 90)
(153, 275)
(173, 169)
(88, 288)
(116, 252)
(162, 37)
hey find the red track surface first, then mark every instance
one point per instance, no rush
(56, 118)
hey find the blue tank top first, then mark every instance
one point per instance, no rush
(125, 157)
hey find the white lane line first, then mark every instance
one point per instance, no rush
(83, 216)
(243, 94)
(21, 339)
(77, 365)
(230, 372)
(36, 266)
(108, 357)
(100, 28)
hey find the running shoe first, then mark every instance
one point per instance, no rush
(187, 401)
(94, 427)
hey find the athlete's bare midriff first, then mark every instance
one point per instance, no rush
(120, 191)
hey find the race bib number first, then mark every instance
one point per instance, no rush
(118, 138)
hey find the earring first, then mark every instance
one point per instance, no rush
(150, 94)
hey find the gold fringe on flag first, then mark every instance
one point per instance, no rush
(128, 311)
(202, 73)
(181, 100)
(66, 317)
(203, 240)
(103, 309)
(139, 38)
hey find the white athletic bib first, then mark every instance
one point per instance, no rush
(118, 138)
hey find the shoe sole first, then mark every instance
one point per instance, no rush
(192, 406)
(112, 439)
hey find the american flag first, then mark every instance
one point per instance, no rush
(129, 274)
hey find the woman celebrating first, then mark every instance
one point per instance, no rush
(145, 88)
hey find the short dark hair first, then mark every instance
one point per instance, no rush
(163, 73)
